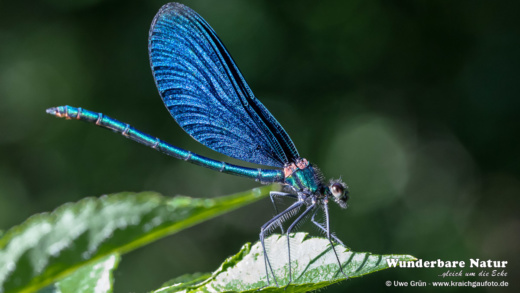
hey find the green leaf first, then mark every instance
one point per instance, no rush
(185, 281)
(93, 278)
(314, 266)
(49, 246)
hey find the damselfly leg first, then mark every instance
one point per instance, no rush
(273, 195)
(306, 212)
(267, 227)
(330, 236)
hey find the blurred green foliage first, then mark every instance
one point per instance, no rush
(413, 103)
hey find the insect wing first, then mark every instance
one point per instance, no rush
(206, 94)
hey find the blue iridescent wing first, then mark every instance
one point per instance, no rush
(206, 94)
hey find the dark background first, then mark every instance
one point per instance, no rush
(414, 103)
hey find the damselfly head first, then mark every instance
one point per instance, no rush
(339, 190)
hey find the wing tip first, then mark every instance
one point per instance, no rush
(170, 11)
(172, 7)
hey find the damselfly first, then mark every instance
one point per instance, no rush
(205, 92)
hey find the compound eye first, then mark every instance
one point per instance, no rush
(337, 190)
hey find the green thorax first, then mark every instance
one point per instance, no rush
(308, 178)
